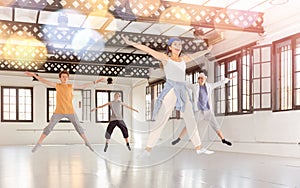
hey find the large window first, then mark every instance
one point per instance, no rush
(102, 97)
(220, 91)
(227, 102)
(287, 73)
(232, 89)
(297, 74)
(261, 78)
(235, 98)
(81, 104)
(16, 104)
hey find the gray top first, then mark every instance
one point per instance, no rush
(116, 108)
(203, 99)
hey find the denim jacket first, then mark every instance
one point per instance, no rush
(180, 89)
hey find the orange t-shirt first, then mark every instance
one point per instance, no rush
(64, 99)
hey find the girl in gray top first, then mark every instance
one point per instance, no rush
(116, 119)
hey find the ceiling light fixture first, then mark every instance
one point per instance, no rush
(278, 2)
(109, 80)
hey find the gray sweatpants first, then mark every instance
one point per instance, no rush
(55, 119)
(207, 115)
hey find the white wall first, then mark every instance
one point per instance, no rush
(13, 133)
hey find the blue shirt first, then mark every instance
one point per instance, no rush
(203, 99)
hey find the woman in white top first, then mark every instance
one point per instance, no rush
(175, 92)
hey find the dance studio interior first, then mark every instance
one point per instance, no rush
(124, 47)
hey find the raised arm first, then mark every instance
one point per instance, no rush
(194, 56)
(129, 107)
(100, 106)
(222, 82)
(158, 55)
(43, 80)
(83, 86)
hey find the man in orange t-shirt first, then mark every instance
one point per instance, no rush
(64, 105)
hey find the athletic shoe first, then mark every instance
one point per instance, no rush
(176, 141)
(128, 146)
(105, 148)
(226, 142)
(205, 151)
(36, 147)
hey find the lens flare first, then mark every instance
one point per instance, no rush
(24, 47)
(6, 2)
(87, 39)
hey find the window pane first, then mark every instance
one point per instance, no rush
(266, 51)
(266, 70)
(232, 65)
(256, 71)
(256, 86)
(266, 85)
(256, 55)
(266, 100)
(297, 63)
(256, 101)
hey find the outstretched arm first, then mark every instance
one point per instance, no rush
(83, 86)
(100, 106)
(43, 80)
(158, 55)
(129, 107)
(194, 56)
(222, 82)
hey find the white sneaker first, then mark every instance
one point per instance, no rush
(205, 151)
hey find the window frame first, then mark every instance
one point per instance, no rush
(261, 77)
(293, 47)
(17, 103)
(226, 58)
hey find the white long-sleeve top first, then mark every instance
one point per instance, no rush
(209, 87)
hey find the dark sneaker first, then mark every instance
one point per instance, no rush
(105, 148)
(226, 142)
(128, 146)
(36, 147)
(176, 141)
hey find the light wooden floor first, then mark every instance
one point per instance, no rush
(74, 166)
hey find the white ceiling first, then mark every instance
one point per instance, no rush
(273, 14)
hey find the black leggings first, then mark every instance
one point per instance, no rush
(111, 126)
